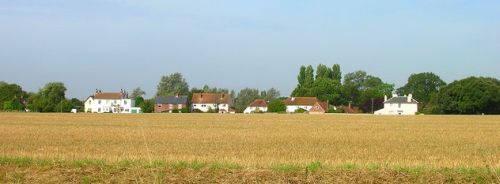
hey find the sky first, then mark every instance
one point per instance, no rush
(124, 44)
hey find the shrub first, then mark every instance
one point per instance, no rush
(300, 110)
(276, 106)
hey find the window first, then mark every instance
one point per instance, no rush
(399, 105)
(159, 105)
(203, 105)
(99, 110)
(99, 102)
(125, 102)
(114, 101)
(126, 110)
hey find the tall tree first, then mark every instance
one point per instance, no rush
(472, 95)
(48, 98)
(362, 88)
(422, 86)
(245, 97)
(270, 94)
(172, 84)
(327, 89)
(9, 92)
(336, 73)
(322, 71)
(309, 78)
(302, 75)
(137, 92)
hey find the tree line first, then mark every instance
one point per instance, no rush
(472, 95)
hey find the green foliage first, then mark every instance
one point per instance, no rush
(47, 99)
(67, 105)
(172, 85)
(175, 111)
(147, 106)
(197, 111)
(422, 86)
(326, 86)
(270, 94)
(473, 95)
(300, 111)
(276, 106)
(139, 100)
(336, 74)
(210, 110)
(327, 89)
(361, 88)
(13, 105)
(245, 97)
(9, 92)
(137, 92)
(322, 71)
(184, 110)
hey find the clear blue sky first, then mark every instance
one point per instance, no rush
(114, 44)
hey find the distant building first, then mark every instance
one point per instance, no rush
(110, 102)
(309, 104)
(399, 105)
(205, 102)
(169, 103)
(259, 105)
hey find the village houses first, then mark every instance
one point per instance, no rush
(309, 104)
(110, 102)
(399, 105)
(257, 106)
(170, 103)
(206, 102)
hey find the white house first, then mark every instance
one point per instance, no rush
(310, 104)
(211, 101)
(106, 102)
(399, 105)
(258, 105)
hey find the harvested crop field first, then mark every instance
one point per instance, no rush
(262, 148)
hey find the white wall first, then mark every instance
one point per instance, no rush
(292, 108)
(249, 110)
(106, 105)
(206, 107)
(398, 109)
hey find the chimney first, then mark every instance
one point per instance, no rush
(410, 96)
(96, 91)
(385, 98)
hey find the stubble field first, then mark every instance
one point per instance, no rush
(261, 148)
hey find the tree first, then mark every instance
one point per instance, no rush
(48, 97)
(245, 97)
(172, 85)
(422, 86)
(9, 92)
(472, 95)
(336, 74)
(270, 94)
(327, 89)
(361, 88)
(13, 105)
(148, 106)
(309, 78)
(276, 106)
(323, 71)
(67, 105)
(137, 92)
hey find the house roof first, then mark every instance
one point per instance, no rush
(309, 101)
(171, 100)
(258, 103)
(107, 95)
(322, 105)
(202, 98)
(401, 99)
